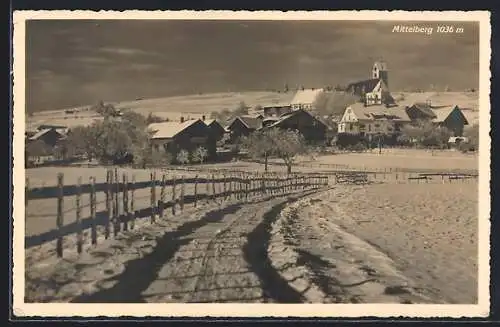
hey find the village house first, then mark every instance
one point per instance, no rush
(450, 117)
(375, 90)
(50, 136)
(174, 136)
(243, 126)
(360, 119)
(312, 128)
(305, 99)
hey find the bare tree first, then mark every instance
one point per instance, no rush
(183, 157)
(199, 155)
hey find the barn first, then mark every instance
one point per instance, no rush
(187, 135)
(216, 128)
(50, 136)
(243, 126)
(452, 118)
(312, 128)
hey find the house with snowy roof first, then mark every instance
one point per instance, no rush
(305, 99)
(174, 136)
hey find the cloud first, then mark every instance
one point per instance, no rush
(308, 60)
(127, 51)
(141, 67)
(93, 60)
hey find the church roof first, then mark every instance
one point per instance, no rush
(369, 84)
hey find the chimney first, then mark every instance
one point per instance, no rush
(203, 117)
(182, 119)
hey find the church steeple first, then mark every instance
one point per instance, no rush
(380, 71)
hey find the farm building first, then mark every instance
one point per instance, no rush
(243, 126)
(304, 99)
(184, 135)
(216, 128)
(50, 136)
(375, 90)
(363, 120)
(450, 117)
(420, 111)
(312, 128)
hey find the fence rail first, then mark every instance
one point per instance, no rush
(121, 211)
(366, 177)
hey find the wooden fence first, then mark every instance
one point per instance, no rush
(366, 177)
(121, 211)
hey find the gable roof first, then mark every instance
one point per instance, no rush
(249, 122)
(208, 122)
(289, 115)
(369, 84)
(49, 126)
(169, 129)
(213, 122)
(305, 96)
(379, 112)
(424, 108)
(42, 132)
(442, 113)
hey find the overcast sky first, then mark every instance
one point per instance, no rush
(72, 63)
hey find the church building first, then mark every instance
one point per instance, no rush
(374, 91)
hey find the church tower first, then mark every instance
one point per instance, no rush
(380, 72)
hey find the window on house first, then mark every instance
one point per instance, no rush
(377, 125)
(350, 127)
(369, 127)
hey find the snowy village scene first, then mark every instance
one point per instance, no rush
(251, 161)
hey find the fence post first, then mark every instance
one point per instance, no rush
(79, 237)
(132, 212)
(116, 213)
(161, 201)
(214, 196)
(224, 189)
(153, 197)
(195, 191)
(247, 188)
(230, 187)
(108, 204)
(174, 196)
(182, 193)
(252, 186)
(125, 202)
(263, 183)
(207, 188)
(60, 214)
(93, 227)
(26, 191)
